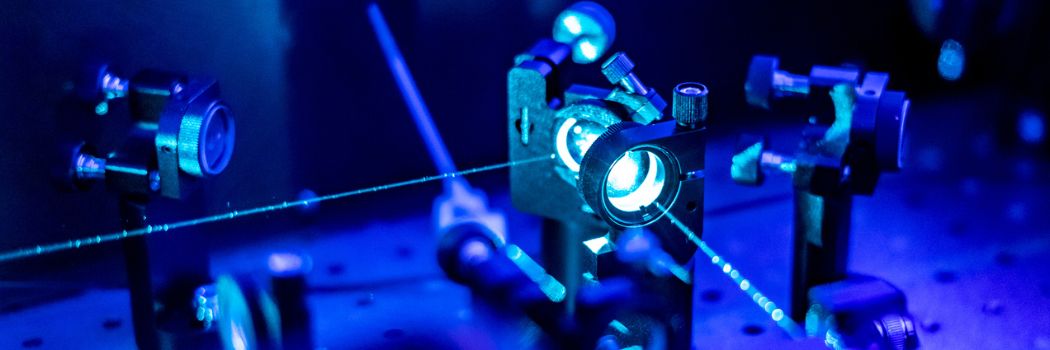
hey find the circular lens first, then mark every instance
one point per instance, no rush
(216, 140)
(635, 180)
(574, 138)
(214, 145)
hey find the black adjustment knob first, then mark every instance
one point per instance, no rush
(690, 104)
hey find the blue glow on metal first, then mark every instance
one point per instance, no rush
(102, 108)
(619, 327)
(553, 289)
(287, 263)
(775, 313)
(410, 92)
(952, 60)
(572, 24)
(42, 249)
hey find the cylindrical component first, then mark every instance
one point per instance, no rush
(618, 70)
(462, 246)
(821, 239)
(690, 105)
(897, 332)
(777, 161)
(787, 84)
(97, 83)
(766, 81)
(205, 139)
(88, 167)
(288, 282)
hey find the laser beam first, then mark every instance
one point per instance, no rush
(745, 285)
(43, 249)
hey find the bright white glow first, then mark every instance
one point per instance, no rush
(588, 49)
(624, 174)
(285, 262)
(596, 245)
(778, 315)
(561, 145)
(238, 341)
(623, 177)
(573, 139)
(572, 24)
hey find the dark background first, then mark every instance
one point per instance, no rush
(316, 106)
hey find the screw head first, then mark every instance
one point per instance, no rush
(617, 67)
(759, 85)
(690, 104)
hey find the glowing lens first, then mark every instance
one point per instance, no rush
(574, 138)
(635, 181)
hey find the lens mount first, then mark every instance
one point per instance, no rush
(628, 183)
(206, 138)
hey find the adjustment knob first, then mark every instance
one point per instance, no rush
(690, 104)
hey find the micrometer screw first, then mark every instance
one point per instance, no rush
(618, 70)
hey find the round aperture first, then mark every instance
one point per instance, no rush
(634, 188)
(216, 140)
(635, 181)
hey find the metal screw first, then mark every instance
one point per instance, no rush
(205, 300)
(897, 332)
(87, 167)
(690, 104)
(112, 86)
(779, 162)
(618, 69)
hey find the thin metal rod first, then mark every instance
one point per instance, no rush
(43, 249)
(745, 285)
(410, 92)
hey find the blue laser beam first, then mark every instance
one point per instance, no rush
(43, 249)
(745, 285)
(410, 92)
